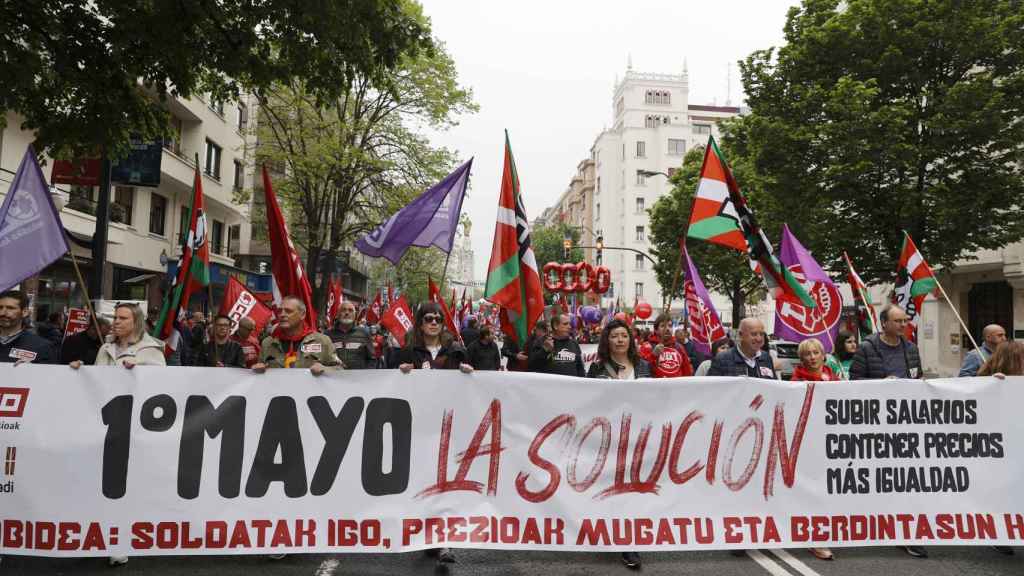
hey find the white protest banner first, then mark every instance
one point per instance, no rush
(152, 460)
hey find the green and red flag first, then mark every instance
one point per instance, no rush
(914, 280)
(193, 267)
(713, 217)
(513, 279)
(720, 215)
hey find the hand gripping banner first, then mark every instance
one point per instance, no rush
(107, 461)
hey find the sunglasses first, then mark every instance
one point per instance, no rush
(433, 318)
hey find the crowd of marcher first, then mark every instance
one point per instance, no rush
(551, 348)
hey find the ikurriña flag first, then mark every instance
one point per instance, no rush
(796, 322)
(719, 209)
(193, 267)
(867, 320)
(914, 280)
(513, 278)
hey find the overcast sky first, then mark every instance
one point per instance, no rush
(545, 71)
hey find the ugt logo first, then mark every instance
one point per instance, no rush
(12, 402)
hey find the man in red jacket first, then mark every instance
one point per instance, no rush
(667, 357)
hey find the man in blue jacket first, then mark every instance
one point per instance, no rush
(748, 358)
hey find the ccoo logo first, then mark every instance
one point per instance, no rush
(12, 402)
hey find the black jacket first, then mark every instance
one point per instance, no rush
(448, 358)
(30, 347)
(867, 363)
(229, 354)
(354, 347)
(80, 347)
(731, 363)
(565, 358)
(599, 369)
(484, 356)
(470, 335)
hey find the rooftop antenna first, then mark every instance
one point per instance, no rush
(728, 84)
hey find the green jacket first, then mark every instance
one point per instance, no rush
(315, 347)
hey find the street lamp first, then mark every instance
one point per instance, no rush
(649, 173)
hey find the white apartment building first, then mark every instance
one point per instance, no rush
(146, 223)
(653, 127)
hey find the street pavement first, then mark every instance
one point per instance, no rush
(887, 561)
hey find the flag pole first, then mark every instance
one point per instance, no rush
(209, 291)
(444, 272)
(85, 291)
(961, 320)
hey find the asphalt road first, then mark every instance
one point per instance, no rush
(888, 561)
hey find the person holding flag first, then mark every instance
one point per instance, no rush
(352, 343)
(294, 344)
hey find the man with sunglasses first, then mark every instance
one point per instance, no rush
(221, 350)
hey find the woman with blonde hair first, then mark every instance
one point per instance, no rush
(812, 368)
(129, 347)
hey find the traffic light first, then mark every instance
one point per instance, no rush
(599, 244)
(566, 248)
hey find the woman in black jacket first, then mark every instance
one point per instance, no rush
(617, 358)
(427, 348)
(617, 355)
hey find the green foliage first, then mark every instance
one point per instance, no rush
(90, 73)
(548, 246)
(346, 165)
(884, 115)
(723, 270)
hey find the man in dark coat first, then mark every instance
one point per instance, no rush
(557, 353)
(483, 354)
(17, 344)
(471, 333)
(748, 358)
(85, 345)
(887, 354)
(221, 350)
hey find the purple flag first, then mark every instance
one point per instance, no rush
(429, 220)
(31, 235)
(795, 322)
(705, 326)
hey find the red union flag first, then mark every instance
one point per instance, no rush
(239, 303)
(704, 325)
(334, 299)
(373, 313)
(398, 319)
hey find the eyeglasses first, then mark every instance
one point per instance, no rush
(433, 318)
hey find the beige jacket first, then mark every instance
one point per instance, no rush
(315, 347)
(146, 352)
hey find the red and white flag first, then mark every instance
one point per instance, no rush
(398, 319)
(240, 303)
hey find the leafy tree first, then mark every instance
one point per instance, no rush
(89, 73)
(349, 163)
(879, 116)
(723, 270)
(548, 243)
